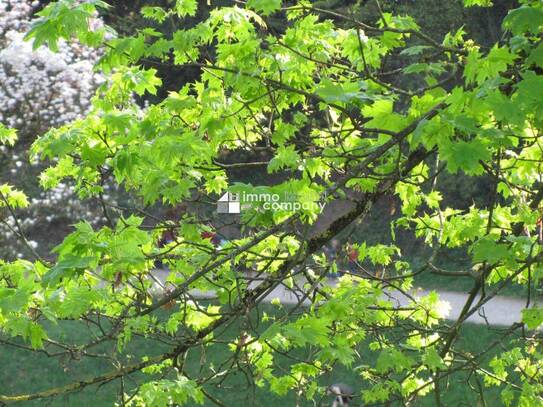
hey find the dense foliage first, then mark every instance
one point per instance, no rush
(329, 110)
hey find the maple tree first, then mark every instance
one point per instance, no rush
(317, 108)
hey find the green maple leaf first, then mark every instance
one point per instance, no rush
(478, 69)
(536, 56)
(533, 317)
(286, 157)
(465, 156)
(480, 3)
(488, 250)
(524, 19)
(186, 7)
(340, 92)
(267, 7)
(66, 268)
(7, 136)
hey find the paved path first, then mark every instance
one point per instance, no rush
(500, 310)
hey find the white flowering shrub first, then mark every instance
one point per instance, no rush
(39, 89)
(15, 15)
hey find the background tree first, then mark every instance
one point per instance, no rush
(40, 89)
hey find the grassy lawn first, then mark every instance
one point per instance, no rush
(23, 371)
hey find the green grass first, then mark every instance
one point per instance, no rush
(24, 371)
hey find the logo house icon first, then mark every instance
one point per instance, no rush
(228, 203)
